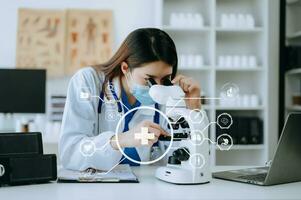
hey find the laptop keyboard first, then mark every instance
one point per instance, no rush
(255, 177)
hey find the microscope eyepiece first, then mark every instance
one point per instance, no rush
(151, 82)
(167, 82)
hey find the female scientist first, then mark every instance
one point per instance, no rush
(146, 53)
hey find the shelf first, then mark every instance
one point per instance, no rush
(238, 108)
(294, 71)
(239, 69)
(293, 36)
(243, 30)
(194, 29)
(293, 2)
(212, 41)
(194, 68)
(245, 147)
(294, 108)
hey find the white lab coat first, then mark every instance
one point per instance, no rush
(80, 122)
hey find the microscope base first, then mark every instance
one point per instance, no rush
(178, 175)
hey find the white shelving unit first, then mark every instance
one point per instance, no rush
(212, 40)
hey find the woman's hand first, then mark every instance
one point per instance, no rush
(128, 139)
(192, 91)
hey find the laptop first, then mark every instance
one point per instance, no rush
(286, 164)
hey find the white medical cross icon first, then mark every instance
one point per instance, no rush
(144, 136)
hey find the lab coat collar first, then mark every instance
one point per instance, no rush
(117, 86)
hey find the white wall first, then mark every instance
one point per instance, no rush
(128, 15)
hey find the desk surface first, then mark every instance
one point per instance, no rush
(151, 188)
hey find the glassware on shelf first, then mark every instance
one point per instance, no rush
(237, 61)
(191, 61)
(186, 20)
(237, 21)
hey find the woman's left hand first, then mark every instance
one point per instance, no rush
(192, 91)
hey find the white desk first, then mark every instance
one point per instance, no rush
(150, 188)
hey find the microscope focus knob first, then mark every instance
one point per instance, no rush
(173, 160)
(178, 155)
(182, 154)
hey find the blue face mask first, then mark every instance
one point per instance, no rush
(141, 93)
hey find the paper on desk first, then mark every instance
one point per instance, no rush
(118, 174)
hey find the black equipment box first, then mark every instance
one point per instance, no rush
(20, 143)
(27, 169)
(22, 160)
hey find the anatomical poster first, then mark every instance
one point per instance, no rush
(41, 40)
(63, 41)
(89, 38)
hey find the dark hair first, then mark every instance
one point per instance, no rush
(141, 46)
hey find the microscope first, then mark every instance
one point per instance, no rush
(189, 161)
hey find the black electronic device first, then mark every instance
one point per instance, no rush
(285, 165)
(22, 90)
(22, 160)
(20, 143)
(244, 130)
(27, 169)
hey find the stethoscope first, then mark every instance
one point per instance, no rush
(121, 107)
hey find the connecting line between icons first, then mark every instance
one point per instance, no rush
(175, 122)
(185, 98)
(212, 142)
(95, 96)
(208, 126)
(187, 152)
(105, 173)
(124, 105)
(115, 164)
(103, 146)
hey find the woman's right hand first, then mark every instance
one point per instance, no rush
(127, 139)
